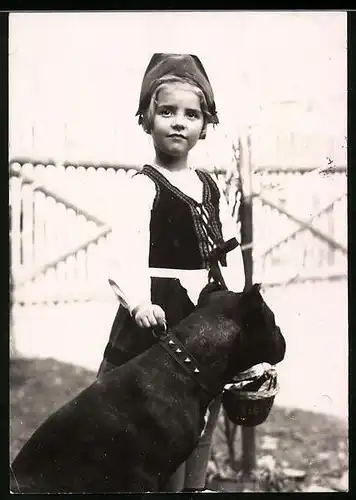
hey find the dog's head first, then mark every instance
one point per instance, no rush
(259, 328)
(233, 331)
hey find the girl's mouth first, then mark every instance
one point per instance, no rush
(176, 136)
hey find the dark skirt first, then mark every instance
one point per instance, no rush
(127, 339)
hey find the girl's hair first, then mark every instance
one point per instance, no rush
(146, 120)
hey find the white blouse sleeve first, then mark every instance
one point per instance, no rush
(129, 250)
(233, 274)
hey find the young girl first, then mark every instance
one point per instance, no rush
(176, 217)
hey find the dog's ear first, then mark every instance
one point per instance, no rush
(206, 292)
(256, 288)
(253, 291)
(251, 299)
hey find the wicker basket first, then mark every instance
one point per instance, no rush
(251, 405)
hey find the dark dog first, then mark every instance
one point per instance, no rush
(131, 429)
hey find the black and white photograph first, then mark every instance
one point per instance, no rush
(178, 252)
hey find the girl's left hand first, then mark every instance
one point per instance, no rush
(148, 315)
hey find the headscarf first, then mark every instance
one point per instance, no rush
(185, 66)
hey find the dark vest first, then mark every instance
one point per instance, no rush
(182, 231)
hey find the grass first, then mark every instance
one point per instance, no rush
(314, 443)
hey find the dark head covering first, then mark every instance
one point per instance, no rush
(182, 65)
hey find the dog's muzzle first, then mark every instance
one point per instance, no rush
(248, 400)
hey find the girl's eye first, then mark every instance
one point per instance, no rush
(193, 114)
(166, 112)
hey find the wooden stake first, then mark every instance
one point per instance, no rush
(245, 216)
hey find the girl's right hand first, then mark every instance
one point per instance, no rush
(148, 315)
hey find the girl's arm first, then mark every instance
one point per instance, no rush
(233, 274)
(130, 239)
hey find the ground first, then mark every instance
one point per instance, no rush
(313, 445)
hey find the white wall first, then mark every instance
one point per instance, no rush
(75, 77)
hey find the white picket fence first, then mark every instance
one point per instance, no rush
(61, 219)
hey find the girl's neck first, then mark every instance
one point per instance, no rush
(171, 163)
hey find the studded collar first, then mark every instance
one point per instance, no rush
(177, 350)
(188, 363)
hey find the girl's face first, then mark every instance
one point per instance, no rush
(178, 120)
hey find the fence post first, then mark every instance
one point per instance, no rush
(245, 216)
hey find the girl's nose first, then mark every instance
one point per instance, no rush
(178, 121)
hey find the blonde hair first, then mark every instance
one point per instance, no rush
(146, 120)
